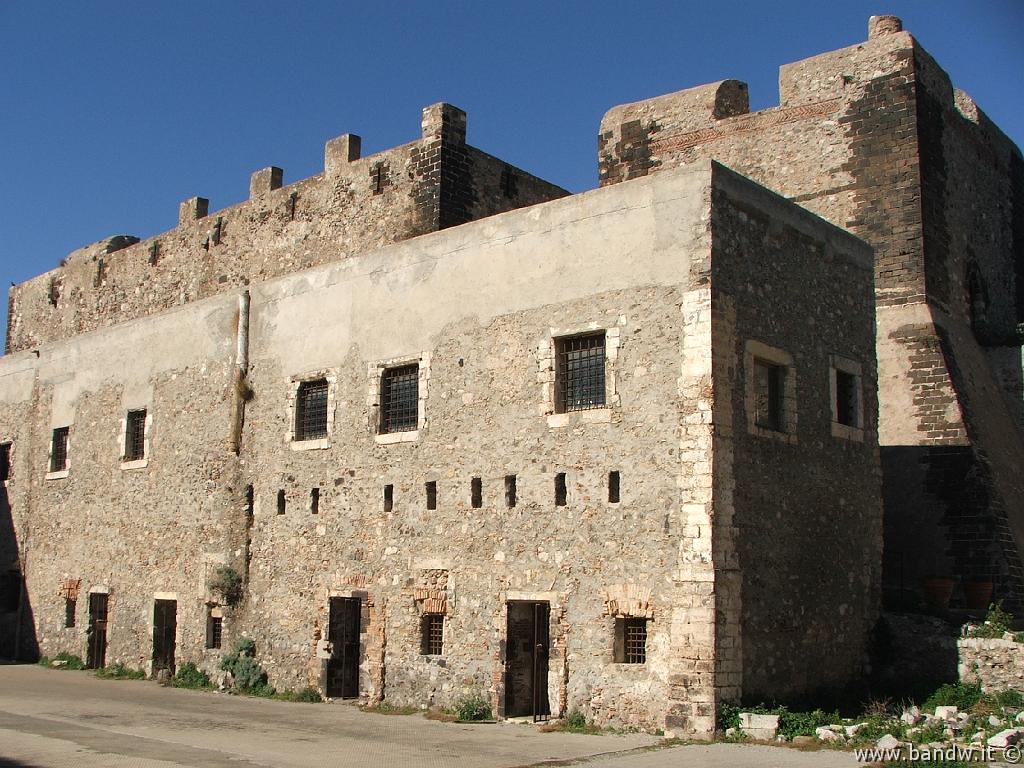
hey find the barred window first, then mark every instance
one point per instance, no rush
(631, 640)
(311, 410)
(399, 399)
(432, 637)
(135, 436)
(580, 372)
(59, 450)
(769, 385)
(214, 631)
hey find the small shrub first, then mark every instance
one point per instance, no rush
(247, 675)
(190, 676)
(44, 661)
(119, 671)
(963, 696)
(473, 709)
(575, 721)
(227, 582)
(997, 623)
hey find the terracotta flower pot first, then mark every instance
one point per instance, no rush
(978, 594)
(937, 591)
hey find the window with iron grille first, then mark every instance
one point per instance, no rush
(580, 372)
(630, 640)
(847, 399)
(769, 386)
(214, 631)
(70, 604)
(135, 436)
(400, 399)
(432, 637)
(59, 450)
(311, 410)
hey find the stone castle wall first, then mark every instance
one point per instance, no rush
(356, 204)
(478, 308)
(875, 139)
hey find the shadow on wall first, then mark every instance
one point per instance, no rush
(17, 625)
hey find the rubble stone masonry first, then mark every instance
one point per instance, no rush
(749, 555)
(875, 139)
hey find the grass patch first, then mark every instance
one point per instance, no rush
(119, 671)
(387, 709)
(307, 695)
(574, 722)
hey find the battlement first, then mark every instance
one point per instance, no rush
(357, 203)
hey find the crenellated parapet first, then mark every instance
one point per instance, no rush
(356, 204)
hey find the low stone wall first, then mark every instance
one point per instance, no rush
(997, 664)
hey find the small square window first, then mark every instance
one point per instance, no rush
(311, 410)
(432, 634)
(769, 390)
(70, 605)
(399, 399)
(847, 403)
(630, 640)
(214, 630)
(135, 436)
(580, 372)
(59, 450)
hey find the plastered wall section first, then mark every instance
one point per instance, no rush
(478, 307)
(134, 530)
(356, 204)
(798, 518)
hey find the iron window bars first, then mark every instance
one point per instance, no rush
(311, 410)
(135, 436)
(580, 373)
(399, 399)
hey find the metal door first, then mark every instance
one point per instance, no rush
(96, 653)
(165, 625)
(343, 634)
(526, 660)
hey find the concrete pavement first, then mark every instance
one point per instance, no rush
(51, 718)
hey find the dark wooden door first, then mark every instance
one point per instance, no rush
(165, 625)
(526, 660)
(96, 653)
(343, 633)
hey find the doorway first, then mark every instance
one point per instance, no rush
(526, 660)
(96, 653)
(343, 634)
(165, 626)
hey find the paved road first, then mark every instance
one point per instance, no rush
(58, 719)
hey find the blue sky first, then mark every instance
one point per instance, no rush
(113, 112)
